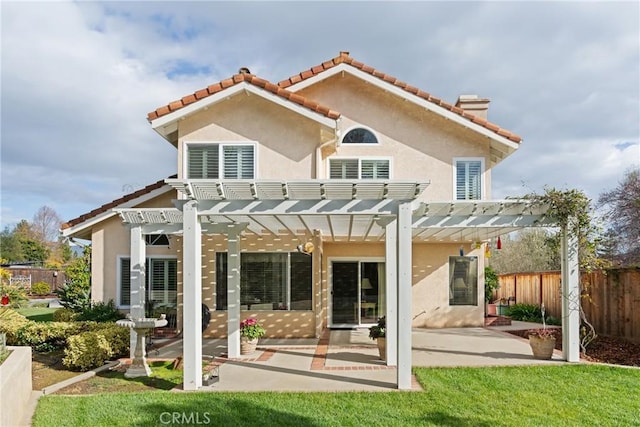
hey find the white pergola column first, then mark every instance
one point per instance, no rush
(233, 295)
(404, 296)
(391, 279)
(192, 297)
(570, 295)
(137, 283)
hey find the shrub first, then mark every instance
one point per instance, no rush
(64, 315)
(10, 322)
(491, 283)
(40, 288)
(525, 313)
(101, 312)
(47, 336)
(18, 296)
(92, 349)
(73, 296)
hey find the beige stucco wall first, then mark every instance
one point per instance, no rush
(421, 143)
(430, 277)
(287, 140)
(107, 251)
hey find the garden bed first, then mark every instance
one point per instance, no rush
(614, 350)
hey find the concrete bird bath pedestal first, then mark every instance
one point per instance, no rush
(139, 367)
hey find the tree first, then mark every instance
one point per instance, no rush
(22, 244)
(75, 294)
(46, 224)
(36, 241)
(622, 211)
(529, 250)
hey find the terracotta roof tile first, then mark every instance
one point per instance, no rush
(236, 79)
(115, 203)
(345, 58)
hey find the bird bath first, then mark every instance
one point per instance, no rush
(139, 367)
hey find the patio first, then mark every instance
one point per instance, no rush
(347, 360)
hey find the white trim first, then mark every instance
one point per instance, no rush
(389, 87)
(359, 159)
(483, 191)
(119, 259)
(221, 144)
(330, 261)
(71, 231)
(359, 126)
(163, 124)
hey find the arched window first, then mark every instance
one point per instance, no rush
(359, 136)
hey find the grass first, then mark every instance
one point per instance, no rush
(38, 314)
(500, 396)
(162, 378)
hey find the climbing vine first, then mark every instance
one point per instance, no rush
(572, 210)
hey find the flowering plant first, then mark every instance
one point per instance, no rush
(251, 329)
(379, 330)
(544, 333)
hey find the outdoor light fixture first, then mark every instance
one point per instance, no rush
(305, 248)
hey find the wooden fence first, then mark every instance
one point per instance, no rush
(55, 278)
(611, 299)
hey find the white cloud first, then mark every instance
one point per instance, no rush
(79, 78)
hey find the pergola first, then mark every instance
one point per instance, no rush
(341, 211)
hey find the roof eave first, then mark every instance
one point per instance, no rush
(508, 144)
(167, 124)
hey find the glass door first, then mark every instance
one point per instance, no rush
(358, 293)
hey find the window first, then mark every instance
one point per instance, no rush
(358, 169)
(359, 136)
(468, 179)
(268, 281)
(463, 280)
(235, 161)
(161, 281)
(156, 239)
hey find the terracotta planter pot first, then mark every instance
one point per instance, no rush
(382, 347)
(542, 347)
(248, 346)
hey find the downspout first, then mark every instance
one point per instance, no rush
(319, 148)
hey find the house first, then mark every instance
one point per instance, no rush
(331, 198)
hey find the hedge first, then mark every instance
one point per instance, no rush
(92, 349)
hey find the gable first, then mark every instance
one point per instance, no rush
(164, 120)
(503, 142)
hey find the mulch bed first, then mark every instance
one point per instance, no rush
(614, 350)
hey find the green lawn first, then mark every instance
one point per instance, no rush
(38, 314)
(585, 395)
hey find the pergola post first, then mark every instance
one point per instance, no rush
(192, 291)
(391, 271)
(404, 296)
(570, 294)
(137, 282)
(233, 294)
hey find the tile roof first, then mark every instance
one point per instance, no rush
(236, 79)
(344, 58)
(106, 207)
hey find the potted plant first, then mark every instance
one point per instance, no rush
(250, 331)
(491, 283)
(378, 332)
(542, 342)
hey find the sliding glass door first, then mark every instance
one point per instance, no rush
(358, 293)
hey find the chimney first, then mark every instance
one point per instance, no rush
(473, 104)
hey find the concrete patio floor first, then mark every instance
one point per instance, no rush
(347, 360)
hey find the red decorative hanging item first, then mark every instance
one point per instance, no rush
(499, 243)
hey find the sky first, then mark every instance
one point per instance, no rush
(78, 79)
